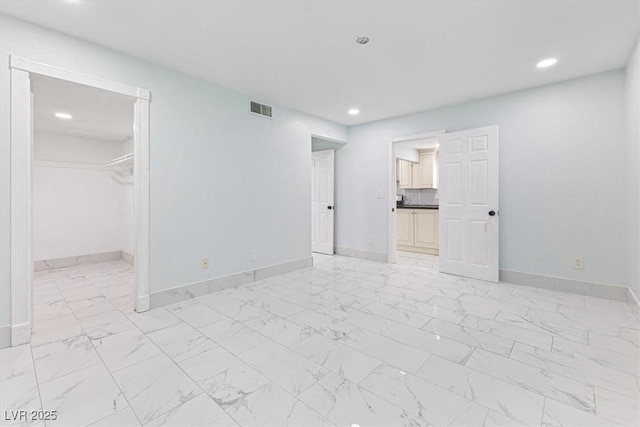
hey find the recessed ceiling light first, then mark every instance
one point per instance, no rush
(549, 62)
(64, 116)
(354, 111)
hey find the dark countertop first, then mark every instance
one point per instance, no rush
(417, 207)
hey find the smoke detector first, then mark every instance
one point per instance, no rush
(362, 40)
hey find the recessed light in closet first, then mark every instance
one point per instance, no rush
(63, 116)
(545, 63)
(354, 111)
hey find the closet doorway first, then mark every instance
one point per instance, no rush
(83, 217)
(80, 198)
(323, 209)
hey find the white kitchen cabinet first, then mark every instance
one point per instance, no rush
(418, 175)
(426, 169)
(417, 230)
(404, 225)
(426, 228)
(404, 171)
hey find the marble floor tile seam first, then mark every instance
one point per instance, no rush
(591, 386)
(602, 413)
(544, 327)
(443, 389)
(456, 341)
(604, 358)
(316, 297)
(408, 308)
(119, 388)
(499, 386)
(35, 375)
(515, 340)
(573, 379)
(630, 347)
(91, 341)
(393, 319)
(588, 314)
(144, 361)
(302, 390)
(574, 383)
(238, 359)
(91, 364)
(632, 386)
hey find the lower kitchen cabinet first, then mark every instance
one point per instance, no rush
(405, 227)
(417, 230)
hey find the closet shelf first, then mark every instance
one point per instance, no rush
(120, 161)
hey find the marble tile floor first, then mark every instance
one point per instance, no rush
(348, 342)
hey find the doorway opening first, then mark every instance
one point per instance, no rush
(61, 180)
(83, 196)
(323, 151)
(447, 203)
(415, 186)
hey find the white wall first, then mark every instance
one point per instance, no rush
(562, 179)
(127, 206)
(223, 181)
(633, 168)
(77, 211)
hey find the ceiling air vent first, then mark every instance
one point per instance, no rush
(260, 109)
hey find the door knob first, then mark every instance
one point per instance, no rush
(492, 213)
(329, 207)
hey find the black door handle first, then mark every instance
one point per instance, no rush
(492, 213)
(329, 207)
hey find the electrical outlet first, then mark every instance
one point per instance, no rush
(370, 240)
(578, 263)
(205, 263)
(253, 255)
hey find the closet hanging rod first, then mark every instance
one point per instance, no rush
(119, 160)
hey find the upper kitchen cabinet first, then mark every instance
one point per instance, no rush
(427, 167)
(423, 174)
(405, 172)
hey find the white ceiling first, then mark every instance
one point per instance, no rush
(94, 110)
(303, 55)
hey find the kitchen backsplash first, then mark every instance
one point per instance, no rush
(419, 197)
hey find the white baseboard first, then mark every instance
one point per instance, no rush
(5, 336)
(72, 261)
(357, 253)
(193, 290)
(127, 257)
(635, 303)
(20, 334)
(142, 304)
(598, 290)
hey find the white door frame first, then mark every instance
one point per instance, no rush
(21, 191)
(392, 243)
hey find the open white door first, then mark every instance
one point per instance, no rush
(469, 221)
(322, 202)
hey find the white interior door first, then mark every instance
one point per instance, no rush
(322, 209)
(469, 221)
